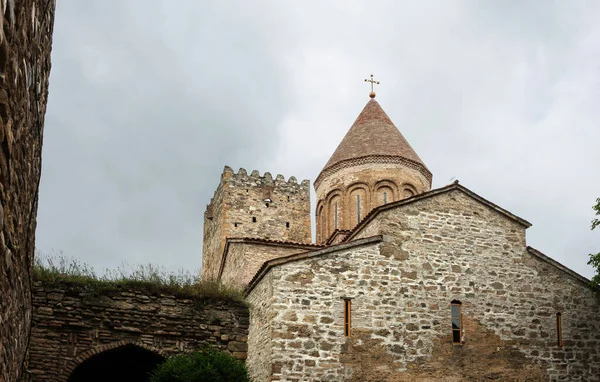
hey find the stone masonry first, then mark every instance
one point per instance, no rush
(243, 257)
(254, 206)
(25, 43)
(427, 251)
(70, 325)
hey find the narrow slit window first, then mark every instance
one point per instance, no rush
(357, 209)
(384, 197)
(347, 317)
(335, 215)
(456, 322)
(287, 224)
(253, 219)
(235, 224)
(559, 340)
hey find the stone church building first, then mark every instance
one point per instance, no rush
(404, 282)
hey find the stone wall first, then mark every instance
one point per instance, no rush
(25, 42)
(435, 250)
(254, 206)
(70, 325)
(243, 257)
(260, 344)
(373, 179)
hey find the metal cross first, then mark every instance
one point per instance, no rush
(372, 81)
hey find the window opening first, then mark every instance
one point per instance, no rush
(456, 322)
(287, 224)
(235, 224)
(347, 317)
(288, 198)
(253, 219)
(335, 215)
(384, 197)
(357, 209)
(559, 330)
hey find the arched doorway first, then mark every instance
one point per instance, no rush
(126, 363)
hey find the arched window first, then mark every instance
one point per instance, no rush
(357, 209)
(456, 322)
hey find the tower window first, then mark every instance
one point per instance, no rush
(287, 224)
(335, 215)
(288, 198)
(347, 317)
(384, 197)
(456, 322)
(559, 330)
(235, 224)
(357, 209)
(253, 219)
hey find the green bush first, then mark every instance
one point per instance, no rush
(209, 365)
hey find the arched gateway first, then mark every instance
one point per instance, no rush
(116, 362)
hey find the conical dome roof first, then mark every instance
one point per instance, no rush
(373, 134)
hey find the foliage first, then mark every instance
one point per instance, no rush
(208, 365)
(595, 258)
(147, 277)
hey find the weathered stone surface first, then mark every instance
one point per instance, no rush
(254, 206)
(401, 308)
(25, 43)
(67, 331)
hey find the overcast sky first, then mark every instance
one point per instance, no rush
(149, 100)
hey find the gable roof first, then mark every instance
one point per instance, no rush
(454, 186)
(267, 265)
(373, 133)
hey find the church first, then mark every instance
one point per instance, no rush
(403, 283)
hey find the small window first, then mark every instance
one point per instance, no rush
(287, 224)
(235, 224)
(559, 330)
(267, 205)
(288, 198)
(335, 215)
(347, 317)
(357, 209)
(384, 197)
(456, 322)
(253, 219)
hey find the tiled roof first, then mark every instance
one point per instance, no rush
(373, 133)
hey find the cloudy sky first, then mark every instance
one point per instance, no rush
(148, 102)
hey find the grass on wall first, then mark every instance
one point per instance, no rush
(147, 277)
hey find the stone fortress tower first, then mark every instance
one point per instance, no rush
(254, 206)
(372, 166)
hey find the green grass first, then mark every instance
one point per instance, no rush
(54, 270)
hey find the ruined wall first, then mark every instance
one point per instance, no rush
(342, 186)
(245, 256)
(25, 42)
(70, 325)
(244, 212)
(436, 250)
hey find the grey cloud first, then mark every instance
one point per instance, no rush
(147, 103)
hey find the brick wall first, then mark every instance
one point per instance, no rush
(239, 209)
(70, 325)
(369, 180)
(436, 250)
(25, 44)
